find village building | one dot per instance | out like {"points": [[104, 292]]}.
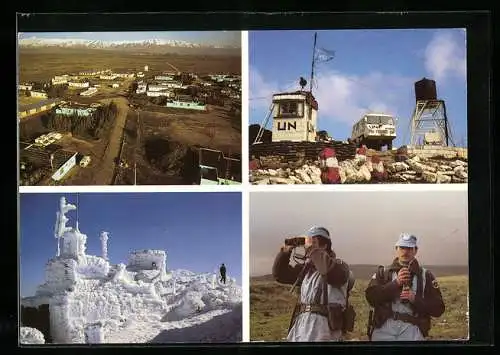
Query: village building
{"points": [[25, 86], [91, 72], [186, 102], [164, 77], [125, 75], [152, 87], [59, 80], [72, 109], [89, 92], [159, 93], [108, 77], [173, 85], [79, 84], [40, 94], [41, 106]]}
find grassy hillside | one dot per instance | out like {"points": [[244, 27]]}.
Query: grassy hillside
{"points": [[271, 307]]}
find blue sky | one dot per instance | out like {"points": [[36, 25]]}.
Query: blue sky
{"points": [[372, 70], [198, 231], [232, 38]]}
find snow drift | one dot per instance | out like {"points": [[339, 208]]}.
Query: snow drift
{"points": [[31, 336]]}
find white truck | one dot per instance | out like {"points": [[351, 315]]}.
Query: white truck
{"points": [[375, 130]]}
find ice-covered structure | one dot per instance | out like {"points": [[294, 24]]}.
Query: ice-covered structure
{"points": [[104, 245], [84, 291], [91, 300]]}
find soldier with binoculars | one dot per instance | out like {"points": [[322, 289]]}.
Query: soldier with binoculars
{"points": [[322, 312], [403, 297]]}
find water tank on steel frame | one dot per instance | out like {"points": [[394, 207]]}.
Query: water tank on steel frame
{"points": [[425, 89]]}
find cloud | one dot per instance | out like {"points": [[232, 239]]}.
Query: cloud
{"points": [[342, 98], [445, 56], [345, 98], [261, 90]]}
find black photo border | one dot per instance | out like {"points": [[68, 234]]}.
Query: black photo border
{"points": [[480, 143]]}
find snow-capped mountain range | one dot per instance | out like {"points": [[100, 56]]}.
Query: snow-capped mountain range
{"points": [[98, 44]]}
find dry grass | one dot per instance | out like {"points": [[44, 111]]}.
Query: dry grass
{"points": [[43, 63], [271, 307], [23, 100]]}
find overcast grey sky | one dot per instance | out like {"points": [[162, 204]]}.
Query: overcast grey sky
{"points": [[364, 225]]}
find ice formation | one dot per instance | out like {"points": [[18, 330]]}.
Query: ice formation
{"points": [[93, 301], [104, 245], [31, 336]]}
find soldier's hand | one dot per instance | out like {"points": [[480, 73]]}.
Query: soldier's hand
{"points": [[404, 276], [407, 295]]}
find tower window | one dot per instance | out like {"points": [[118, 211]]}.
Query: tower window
{"points": [[291, 109]]}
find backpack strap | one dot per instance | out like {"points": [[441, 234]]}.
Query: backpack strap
{"points": [[424, 280], [325, 291]]}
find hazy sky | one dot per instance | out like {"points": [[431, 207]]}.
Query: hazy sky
{"points": [[364, 225], [229, 38]]}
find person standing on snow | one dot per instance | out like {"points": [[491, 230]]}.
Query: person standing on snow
{"points": [[222, 271], [322, 312]]}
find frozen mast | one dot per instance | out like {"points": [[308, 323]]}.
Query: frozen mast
{"points": [[60, 227], [104, 245]]}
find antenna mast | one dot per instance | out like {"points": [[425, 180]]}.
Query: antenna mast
{"points": [[77, 208], [313, 61]]}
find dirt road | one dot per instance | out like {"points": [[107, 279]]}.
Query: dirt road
{"points": [[173, 67], [106, 168]]}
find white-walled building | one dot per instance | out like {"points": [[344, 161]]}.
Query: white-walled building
{"points": [[152, 87], [89, 92], [79, 84], [59, 80], [40, 94], [172, 85], [108, 77], [25, 86], [164, 77], [159, 93], [91, 72], [125, 75]]}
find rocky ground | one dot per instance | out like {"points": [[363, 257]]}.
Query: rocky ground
{"points": [[413, 168]]}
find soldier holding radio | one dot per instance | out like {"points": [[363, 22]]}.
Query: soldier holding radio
{"points": [[404, 297], [322, 312]]}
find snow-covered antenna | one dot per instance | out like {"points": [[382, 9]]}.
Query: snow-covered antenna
{"points": [[104, 245], [77, 209]]}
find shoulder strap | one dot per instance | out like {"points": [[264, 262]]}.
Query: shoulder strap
{"points": [[325, 291], [424, 279], [387, 275]]}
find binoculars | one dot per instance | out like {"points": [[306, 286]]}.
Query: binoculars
{"points": [[407, 287], [295, 241]]}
